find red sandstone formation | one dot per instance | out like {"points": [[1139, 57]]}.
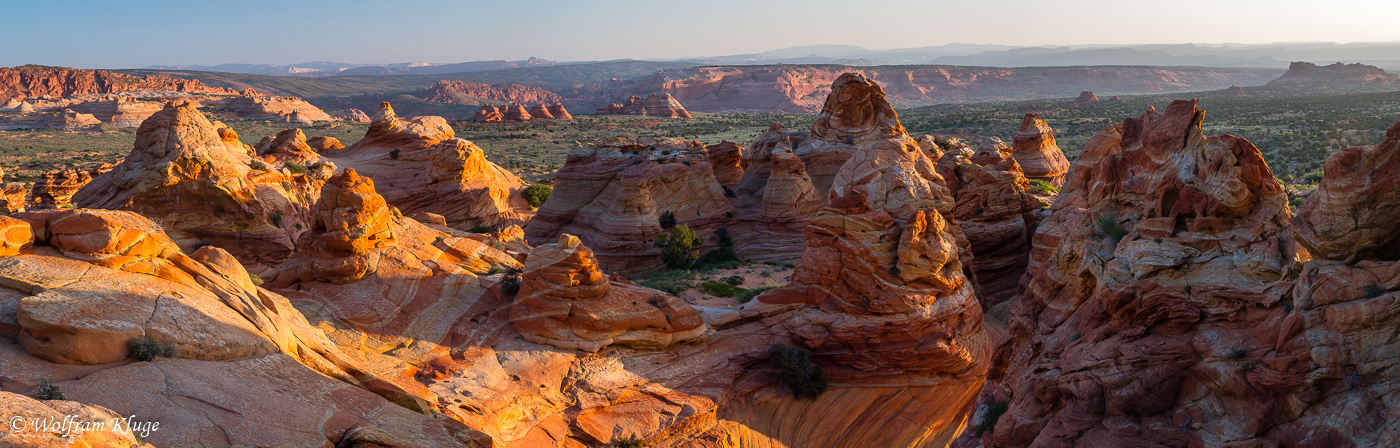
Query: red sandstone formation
{"points": [[540, 111], [419, 167], [1085, 97], [197, 180], [12, 195], [588, 311], [57, 187], [286, 109], [559, 112], [39, 81], [612, 196], [488, 114], [727, 160], [515, 112], [323, 143], [454, 91], [354, 116], [289, 146], [654, 105], [1156, 305], [803, 88], [121, 111], [240, 351], [1035, 150], [994, 209]]}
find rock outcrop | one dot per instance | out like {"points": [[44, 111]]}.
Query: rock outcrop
{"points": [[541, 111], [57, 187], [1036, 152], [654, 105], [1156, 305], [420, 167], [489, 114], [452, 91], [1335, 77], [559, 112], [612, 196], [12, 195], [567, 302], [197, 180], [121, 111], [354, 116], [1085, 97], [727, 160], [31, 81], [1235, 91], [1352, 216], [515, 112], [995, 211], [289, 146], [286, 109], [234, 343]]}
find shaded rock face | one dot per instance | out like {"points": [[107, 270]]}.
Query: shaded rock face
{"points": [[612, 197], [228, 335], [1354, 214], [727, 160], [195, 178], [488, 114], [57, 187], [1036, 152], [1338, 76], [12, 195], [996, 213], [567, 302], [1183, 329], [419, 167]]}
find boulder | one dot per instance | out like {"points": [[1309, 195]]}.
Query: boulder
{"points": [[1035, 151], [567, 302]]}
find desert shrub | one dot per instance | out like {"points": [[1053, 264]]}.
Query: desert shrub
{"points": [[1042, 187], [258, 165], [991, 415], [680, 248], [277, 218], [718, 289], [1315, 176], [47, 390], [146, 348], [734, 280], [729, 192], [667, 220], [510, 283], [671, 282], [394, 154], [754, 292], [296, 168], [536, 194], [257, 279], [482, 229], [1109, 225], [629, 442], [797, 371], [765, 273], [1372, 291], [316, 166]]}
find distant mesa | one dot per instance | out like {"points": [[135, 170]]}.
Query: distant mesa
{"points": [[1338, 76], [654, 105], [452, 91], [30, 81]]}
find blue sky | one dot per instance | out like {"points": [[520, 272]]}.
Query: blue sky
{"points": [[135, 33]]}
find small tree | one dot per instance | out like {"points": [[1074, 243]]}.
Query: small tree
{"points": [[47, 390], [147, 348], [680, 248], [797, 371], [536, 194], [667, 220]]}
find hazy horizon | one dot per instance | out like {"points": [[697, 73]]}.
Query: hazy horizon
{"points": [[166, 32]]}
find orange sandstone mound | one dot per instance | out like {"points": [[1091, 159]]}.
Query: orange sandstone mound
{"points": [[241, 353], [654, 105], [1036, 152], [540, 111], [559, 112], [194, 178], [419, 167], [488, 114], [994, 209], [57, 187], [516, 112]]}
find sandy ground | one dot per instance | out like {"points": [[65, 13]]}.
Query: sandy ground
{"points": [[753, 278]]}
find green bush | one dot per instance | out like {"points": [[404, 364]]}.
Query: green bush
{"points": [[1109, 225], [734, 280], [536, 194], [797, 371], [296, 168], [510, 283], [258, 165], [47, 390], [483, 229], [394, 154], [1042, 187], [147, 348], [718, 289], [277, 218], [680, 248], [671, 282], [667, 220], [257, 279], [629, 442]]}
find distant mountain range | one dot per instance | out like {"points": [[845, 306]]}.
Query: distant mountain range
{"points": [[325, 68]]}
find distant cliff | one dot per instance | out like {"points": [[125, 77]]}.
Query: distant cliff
{"points": [[29, 81], [803, 88], [453, 91], [1307, 75]]}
